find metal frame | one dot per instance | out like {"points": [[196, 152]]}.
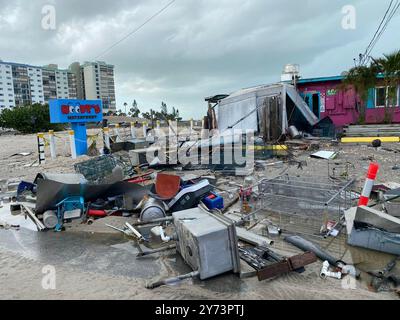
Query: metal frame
{"points": [[302, 205]]}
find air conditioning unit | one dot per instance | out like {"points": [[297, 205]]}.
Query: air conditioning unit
{"points": [[207, 242]]}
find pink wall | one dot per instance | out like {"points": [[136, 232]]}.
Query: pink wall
{"points": [[340, 106]]}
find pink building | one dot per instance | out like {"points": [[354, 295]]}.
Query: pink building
{"points": [[326, 99]]}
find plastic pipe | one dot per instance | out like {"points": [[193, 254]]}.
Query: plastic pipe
{"points": [[164, 238], [325, 273]]}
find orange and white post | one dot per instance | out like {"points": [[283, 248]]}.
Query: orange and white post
{"points": [[369, 184]]}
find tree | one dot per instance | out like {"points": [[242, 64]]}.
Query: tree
{"points": [[152, 116], [29, 119], [134, 111], [389, 67], [363, 78], [164, 109]]}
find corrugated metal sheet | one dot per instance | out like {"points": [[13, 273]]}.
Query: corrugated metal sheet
{"points": [[243, 102]]}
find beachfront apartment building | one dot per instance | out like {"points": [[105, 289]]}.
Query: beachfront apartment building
{"points": [[22, 84], [98, 78]]}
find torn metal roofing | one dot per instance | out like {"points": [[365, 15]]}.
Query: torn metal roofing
{"points": [[244, 101]]}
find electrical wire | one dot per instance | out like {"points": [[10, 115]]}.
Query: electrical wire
{"points": [[391, 15], [376, 32], [135, 30], [391, 11]]}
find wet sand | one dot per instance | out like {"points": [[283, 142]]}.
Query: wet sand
{"points": [[91, 265]]}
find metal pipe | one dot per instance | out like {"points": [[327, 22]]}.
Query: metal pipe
{"points": [[340, 191], [172, 280], [135, 232], [306, 245], [149, 252]]}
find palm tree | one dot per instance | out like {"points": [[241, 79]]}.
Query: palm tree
{"points": [[362, 78], [125, 105], [389, 67]]}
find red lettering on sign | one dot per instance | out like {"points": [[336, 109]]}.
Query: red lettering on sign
{"points": [[65, 109], [85, 108]]}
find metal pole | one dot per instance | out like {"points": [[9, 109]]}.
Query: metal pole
{"points": [[106, 131], [172, 280], [72, 143], [42, 157], [133, 130]]}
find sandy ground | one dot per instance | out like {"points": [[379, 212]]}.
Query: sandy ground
{"points": [[21, 278], [21, 275]]}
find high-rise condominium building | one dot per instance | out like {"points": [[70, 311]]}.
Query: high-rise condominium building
{"points": [[22, 84], [98, 78]]}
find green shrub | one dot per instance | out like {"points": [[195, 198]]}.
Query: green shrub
{"points": [[29, 119]]}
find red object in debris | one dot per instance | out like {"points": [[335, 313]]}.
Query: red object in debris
{"points": [[369, 184], [167, 186], [138, 180], [97, 213]]}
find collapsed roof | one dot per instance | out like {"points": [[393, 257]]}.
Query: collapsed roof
{"points": [[263, 108]]}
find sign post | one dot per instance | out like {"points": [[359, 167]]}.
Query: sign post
{"points": [[78, 113]]}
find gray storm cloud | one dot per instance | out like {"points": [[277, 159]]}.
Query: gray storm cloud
{"points": [[194, 48]]}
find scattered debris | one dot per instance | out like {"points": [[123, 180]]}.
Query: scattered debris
{"points": [[327, 155]]}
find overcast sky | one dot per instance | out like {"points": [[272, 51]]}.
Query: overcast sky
{"points": [[195, 48]]}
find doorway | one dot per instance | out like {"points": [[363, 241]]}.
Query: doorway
{"points": [[313, 101]]}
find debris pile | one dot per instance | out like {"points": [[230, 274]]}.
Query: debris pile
{"points": [[222, 217]]}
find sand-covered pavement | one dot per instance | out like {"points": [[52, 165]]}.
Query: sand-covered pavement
{"points": [[88, 268]]}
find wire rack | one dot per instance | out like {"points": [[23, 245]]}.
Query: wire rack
{"points": [[305, 205]]}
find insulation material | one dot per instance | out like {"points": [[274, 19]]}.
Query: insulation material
{"points": [[228, 114]]}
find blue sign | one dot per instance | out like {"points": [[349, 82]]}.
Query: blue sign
{"points": [[78, 113], [74, 111]]}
